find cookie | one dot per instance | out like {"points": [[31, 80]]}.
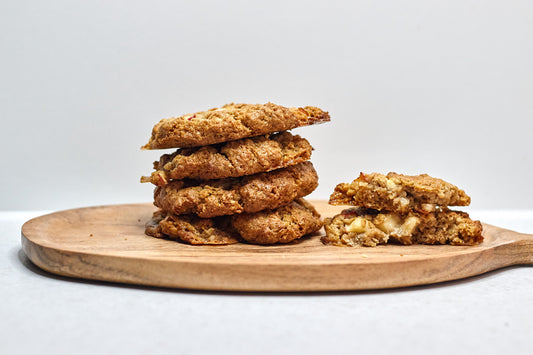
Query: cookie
{"points": [[251, 193], [398, 193], [281, 225], [192, 229], [152, 227], [348, 229], [232, 159], [230, 122], [367, 227]]}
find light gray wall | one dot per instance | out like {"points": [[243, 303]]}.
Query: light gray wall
{"points": [[443, 87]]}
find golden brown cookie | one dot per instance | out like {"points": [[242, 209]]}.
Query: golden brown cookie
{"points": [[367, 227], [281, 225], [232, 159], [230, 122], [250, 193], [349, 229], [152, 227], [398, 193], [191, 229]]}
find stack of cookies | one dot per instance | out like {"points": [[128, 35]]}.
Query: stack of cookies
{"points": [[237, 175], [402, 209]]}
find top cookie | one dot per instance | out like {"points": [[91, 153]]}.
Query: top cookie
{"points": [[398, 193], [230, 122]]}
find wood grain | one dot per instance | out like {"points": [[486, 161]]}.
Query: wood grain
{"points": [[108, 243]]}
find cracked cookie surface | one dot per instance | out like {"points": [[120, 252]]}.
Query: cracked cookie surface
{"points": [[249, 194], [230, 122], [282, 225], [398, 193], [232, 159]]}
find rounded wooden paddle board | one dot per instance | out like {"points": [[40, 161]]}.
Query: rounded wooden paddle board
{"points": [[108, 243]]}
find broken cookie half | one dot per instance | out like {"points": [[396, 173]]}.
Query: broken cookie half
{"points": [[400, 209]]}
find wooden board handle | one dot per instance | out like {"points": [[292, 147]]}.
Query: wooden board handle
{"points": [[518, 248]]}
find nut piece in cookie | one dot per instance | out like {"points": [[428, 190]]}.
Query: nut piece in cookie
{"points": [[398, 193], [245, 156], [366, 227], [250, 194], [230, 122]]}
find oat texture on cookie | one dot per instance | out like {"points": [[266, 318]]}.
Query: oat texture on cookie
{"points": [[403, 209], [237, 175]]}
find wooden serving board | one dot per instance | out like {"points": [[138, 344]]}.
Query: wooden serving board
{"points": [[108, 243]]}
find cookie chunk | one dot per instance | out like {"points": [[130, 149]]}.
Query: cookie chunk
{"points": [[367, 227], [230, 122], [246, 156], [191, 229], [398, 193], [349, 229], [249, 194], [281, 225], [152, 227]]}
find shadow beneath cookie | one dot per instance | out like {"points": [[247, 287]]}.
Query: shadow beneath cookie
{"points": [[29, 265]]}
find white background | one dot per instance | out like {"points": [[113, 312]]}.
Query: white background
{"points": [[442, 87]]}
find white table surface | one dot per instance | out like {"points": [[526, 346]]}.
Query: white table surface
{"points": [[42, 313]]}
